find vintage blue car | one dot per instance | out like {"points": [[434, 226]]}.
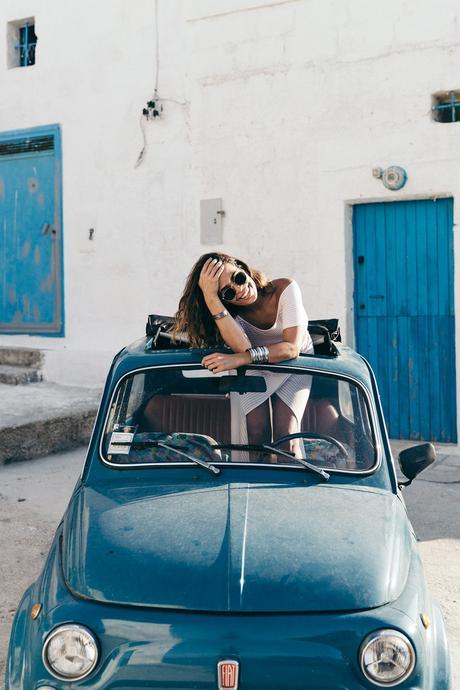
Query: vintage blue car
{"points": [[189, 558]]}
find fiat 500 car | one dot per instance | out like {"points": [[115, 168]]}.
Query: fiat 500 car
{"points": [[188, 558]]}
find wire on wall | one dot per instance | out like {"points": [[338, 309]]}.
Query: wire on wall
{"points": [[144, 142], [154, 107], [157, 49]]}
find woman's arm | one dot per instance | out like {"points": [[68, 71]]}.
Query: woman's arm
{"points": [[294, 321], [232, 334], [288, 348]]}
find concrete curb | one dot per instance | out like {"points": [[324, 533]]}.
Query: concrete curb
{"points": [[16, 376], [45, 436], [44, 418], [21, 357]]}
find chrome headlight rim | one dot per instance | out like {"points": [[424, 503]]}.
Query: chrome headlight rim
{"points": [[63, 628], [379, 634]]}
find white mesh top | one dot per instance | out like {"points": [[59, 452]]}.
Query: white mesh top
{"points": [[291, 312]]}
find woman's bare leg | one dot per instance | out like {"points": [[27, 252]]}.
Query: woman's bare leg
{"points": [[259, 427], [284, 423]]}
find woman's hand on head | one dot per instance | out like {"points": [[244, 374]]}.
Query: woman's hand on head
{"points": [[218, 362], [230, 331], [209, 277]]}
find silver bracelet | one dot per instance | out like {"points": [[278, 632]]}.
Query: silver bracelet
{"points": [[258, 355], [220, 315]]}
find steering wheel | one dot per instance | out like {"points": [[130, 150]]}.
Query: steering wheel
{"points": [[309, 434]]}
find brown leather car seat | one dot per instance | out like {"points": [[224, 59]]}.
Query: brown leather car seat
{"points": [[196, 414], [201, 414]]}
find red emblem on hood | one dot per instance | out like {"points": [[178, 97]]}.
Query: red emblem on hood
{"points": [[227, 673]]}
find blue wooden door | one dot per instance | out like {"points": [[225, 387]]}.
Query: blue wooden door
{"points": [[404, 312], [30, 235]]}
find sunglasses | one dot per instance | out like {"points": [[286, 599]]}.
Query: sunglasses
{"points": [[228, 293]]}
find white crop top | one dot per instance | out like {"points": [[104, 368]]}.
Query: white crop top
{"points": [[291, 312]]}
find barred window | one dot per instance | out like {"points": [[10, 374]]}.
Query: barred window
{"points": [[21, 43], [446, 106]]}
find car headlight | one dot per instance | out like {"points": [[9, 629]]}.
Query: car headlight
{"points": [[387, 657], [70, 652]]}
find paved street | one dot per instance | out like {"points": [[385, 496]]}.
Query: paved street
{"points": [[34, 494]]}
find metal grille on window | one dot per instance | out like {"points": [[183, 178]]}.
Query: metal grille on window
{"points": [[27, 44], [9, 148], [32, 145], [446, 106]]}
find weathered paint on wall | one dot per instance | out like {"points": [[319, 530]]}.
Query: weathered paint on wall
{"points": [[280, 108]]}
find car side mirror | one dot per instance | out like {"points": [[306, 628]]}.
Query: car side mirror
{"points": [[414, 460]]}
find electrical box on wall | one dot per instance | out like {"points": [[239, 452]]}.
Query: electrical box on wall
{"points": [[211, 215]]}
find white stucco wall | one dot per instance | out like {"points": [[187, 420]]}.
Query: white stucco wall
{"points": [[93, 74], [280, 108]]}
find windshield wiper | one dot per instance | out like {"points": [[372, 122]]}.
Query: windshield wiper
{"points": [[325, 475], [162, 444], [202, 463], [265, 447]]}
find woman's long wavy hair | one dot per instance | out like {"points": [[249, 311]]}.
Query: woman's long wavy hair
{"points": [[193, 317]]}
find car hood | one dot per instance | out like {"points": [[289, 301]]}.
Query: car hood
{"points": [[237, 547]]}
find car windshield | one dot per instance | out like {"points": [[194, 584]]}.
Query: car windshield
{"points": [[178, 415]]}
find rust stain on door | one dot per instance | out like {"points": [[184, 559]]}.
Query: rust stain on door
{"points": [[26, 247], [12, 295], [26, 306], [32, 184]]}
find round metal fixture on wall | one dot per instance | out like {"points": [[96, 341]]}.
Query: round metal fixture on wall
{"points": [[393, 177]]}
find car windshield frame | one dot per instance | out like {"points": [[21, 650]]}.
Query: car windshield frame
{"points": [[279, 368]]}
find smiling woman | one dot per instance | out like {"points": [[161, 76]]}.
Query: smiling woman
{"points": [[217, 284], [225, 302]]}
